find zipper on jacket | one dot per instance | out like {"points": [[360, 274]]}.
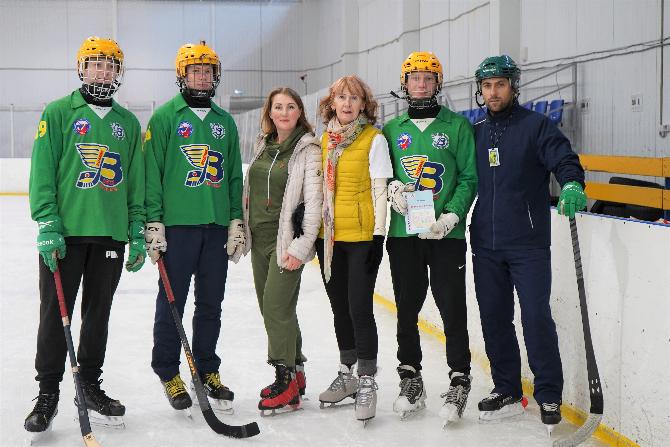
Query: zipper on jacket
{"points": [[267, 201], [530, 218], [493, 212]]}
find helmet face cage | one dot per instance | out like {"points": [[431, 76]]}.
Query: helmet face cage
{"points": [[102, 75], [197, 93], [421, 103]]}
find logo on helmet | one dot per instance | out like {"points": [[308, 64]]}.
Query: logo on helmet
{"points": [[185, 129], [81, 126]]}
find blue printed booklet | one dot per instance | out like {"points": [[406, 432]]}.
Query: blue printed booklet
{"points": [[420, 211]]}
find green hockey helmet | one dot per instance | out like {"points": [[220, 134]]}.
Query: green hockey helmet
{"points": [[498, 67]]}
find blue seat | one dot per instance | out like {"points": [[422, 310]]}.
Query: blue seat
{"points": [[556, 111], [480, 114], [541, 107], [527, 105]]}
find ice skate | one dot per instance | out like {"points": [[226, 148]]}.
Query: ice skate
{"points": [[220, 396], [299, 375], [497, 406], [455, 398], [103, 411], [550, 414], [39, 422], [344, 385], [176, 393], [412, 397], [284, 393], [365, 407]]}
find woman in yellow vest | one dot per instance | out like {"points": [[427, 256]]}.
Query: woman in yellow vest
{"points": [[356, 164]]}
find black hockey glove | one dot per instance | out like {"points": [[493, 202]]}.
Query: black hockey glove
{"points": [[375, 254], [296, 219]]}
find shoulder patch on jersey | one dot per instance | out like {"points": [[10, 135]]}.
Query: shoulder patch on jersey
{"points": [[118, 131], [81, 126], [218, 131], [440, 140], [403, 141], [41, 129], [185, 129]]}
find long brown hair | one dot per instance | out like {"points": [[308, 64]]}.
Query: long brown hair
{"points": [[267, 125], [356, 86]]}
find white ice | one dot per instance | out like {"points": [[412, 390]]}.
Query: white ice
{"points": [[242, 346]]}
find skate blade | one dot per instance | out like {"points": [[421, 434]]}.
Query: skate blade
{"points": [[271, 412], [325, 404], [100, 420], [36, 438], [408, 414], [550, 428], [449, 415], [366, 421], [219, 405], [506, 412]]}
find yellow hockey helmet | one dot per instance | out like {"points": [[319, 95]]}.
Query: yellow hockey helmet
{"points": [[103, 81], [421, 61], [191, 54]]}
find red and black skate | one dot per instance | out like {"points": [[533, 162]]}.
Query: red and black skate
{"points": [[283, 393], [300, 377]]}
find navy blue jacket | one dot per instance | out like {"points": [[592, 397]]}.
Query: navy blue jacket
{"points": [[513, 204]]}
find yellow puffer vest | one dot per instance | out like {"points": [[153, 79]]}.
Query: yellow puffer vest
{"points": [[354, 213]]}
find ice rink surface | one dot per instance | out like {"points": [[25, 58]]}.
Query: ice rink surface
{"points": [[150, 421]]}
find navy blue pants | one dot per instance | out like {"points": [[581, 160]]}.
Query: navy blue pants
{"points": [[497, 273], [199, 251]]}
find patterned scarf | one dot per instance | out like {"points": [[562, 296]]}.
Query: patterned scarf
{"points": [[339, 138]]}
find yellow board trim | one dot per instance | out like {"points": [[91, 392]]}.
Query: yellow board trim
{"points": [[570, 413], [654, 167], [634, 195], [13, 193]]}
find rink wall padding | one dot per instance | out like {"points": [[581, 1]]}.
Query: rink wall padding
{"points": [[627, 279], [14, 174]]}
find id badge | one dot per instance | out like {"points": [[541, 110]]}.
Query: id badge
{"points": [[494, 157]]}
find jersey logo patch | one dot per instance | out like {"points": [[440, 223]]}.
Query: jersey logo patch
{"points": [[117, 131], [208, 165], [404, 140], [41, 129], [106, 166], [425, 173], [81, 126], [218, 131], [440, 140], [185, 129]]}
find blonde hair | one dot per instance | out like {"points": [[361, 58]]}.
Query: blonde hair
{"points": [[267, 125], [356, 86]]}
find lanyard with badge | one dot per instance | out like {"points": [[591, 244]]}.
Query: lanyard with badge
{"points": [[494, 153]]}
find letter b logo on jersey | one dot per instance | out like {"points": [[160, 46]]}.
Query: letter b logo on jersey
{"points": [[426, 174], [208, 164], [106, 166]]}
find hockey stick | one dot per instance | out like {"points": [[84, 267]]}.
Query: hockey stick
{"points": [[233, 431], [84, 423], [595, 389]]}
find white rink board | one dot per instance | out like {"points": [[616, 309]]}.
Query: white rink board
{"points": [[627, 278]]}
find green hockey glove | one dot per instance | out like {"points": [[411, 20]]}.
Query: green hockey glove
{"points": [[572, 199], [136, 250], [50, 241]]}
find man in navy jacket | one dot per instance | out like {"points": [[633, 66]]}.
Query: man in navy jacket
{"points": [[510, 235]]}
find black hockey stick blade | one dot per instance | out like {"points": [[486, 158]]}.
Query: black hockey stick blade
{"points": [[232, 431], [595, 389], [84, 422]]}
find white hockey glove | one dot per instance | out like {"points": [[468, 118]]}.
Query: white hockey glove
{"points": [[444, 224], [236, 240], [154, 236], [398, 201]]}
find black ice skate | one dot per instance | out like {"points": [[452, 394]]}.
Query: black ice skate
{"points": [[455, 398], [412, 397], [284, 392], [220, 397], [550, 414], [39, 421], [102, 409], [176, 393], [497, 406]]}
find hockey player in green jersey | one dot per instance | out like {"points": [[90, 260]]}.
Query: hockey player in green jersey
{"points": [[87, 197], [194, 203], [432, 148]]}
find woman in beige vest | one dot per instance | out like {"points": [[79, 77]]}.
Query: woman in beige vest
{"points": [[356, 164]]}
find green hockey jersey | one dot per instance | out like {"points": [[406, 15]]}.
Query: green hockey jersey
{"points": [[87, 170], [193, 166], [441, 158]]}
